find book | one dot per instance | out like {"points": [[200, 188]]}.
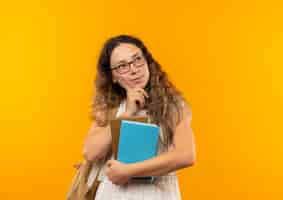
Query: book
{"points": [[135, 141], [115, 125]]}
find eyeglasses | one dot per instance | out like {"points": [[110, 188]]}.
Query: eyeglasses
{"points": [[124, 68]]}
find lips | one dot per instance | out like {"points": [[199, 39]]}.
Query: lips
{"points": [[137, 79]]}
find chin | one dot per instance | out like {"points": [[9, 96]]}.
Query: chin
{"points": [[139, 85]]}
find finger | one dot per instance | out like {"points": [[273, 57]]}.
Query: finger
{"points": [[143, 92], [140, 99], [109, 163], [139, 96]]}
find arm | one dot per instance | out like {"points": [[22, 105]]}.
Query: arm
{"points": [[97, 142], [181, 155]]}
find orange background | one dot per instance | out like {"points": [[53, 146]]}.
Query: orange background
{"points": [[225, 56]]}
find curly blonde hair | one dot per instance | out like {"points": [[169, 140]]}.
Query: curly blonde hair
{"points": [[164, 105]]}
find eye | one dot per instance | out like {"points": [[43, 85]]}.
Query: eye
{"points": [[138, 58], [122, 65]]}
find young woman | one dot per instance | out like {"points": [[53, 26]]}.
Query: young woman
{"points": [[130, 79]]}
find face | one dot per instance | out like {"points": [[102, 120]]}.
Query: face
{"points": [[128, 63]]}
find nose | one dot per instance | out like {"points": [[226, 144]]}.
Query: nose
{"points": [[133, 69]]}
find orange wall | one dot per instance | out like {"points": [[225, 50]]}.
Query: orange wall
{"points": [[225, 56]]}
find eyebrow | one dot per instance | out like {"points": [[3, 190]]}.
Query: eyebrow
{"points": [[134, 55]]}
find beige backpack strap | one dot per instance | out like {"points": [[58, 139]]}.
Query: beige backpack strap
{"points": [[113, 112], [98, 164]]}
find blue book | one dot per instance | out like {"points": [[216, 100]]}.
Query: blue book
{"points": [[138, 141]]}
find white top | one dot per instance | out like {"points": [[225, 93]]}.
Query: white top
{"points": [[167, 187], [121, 110]]}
